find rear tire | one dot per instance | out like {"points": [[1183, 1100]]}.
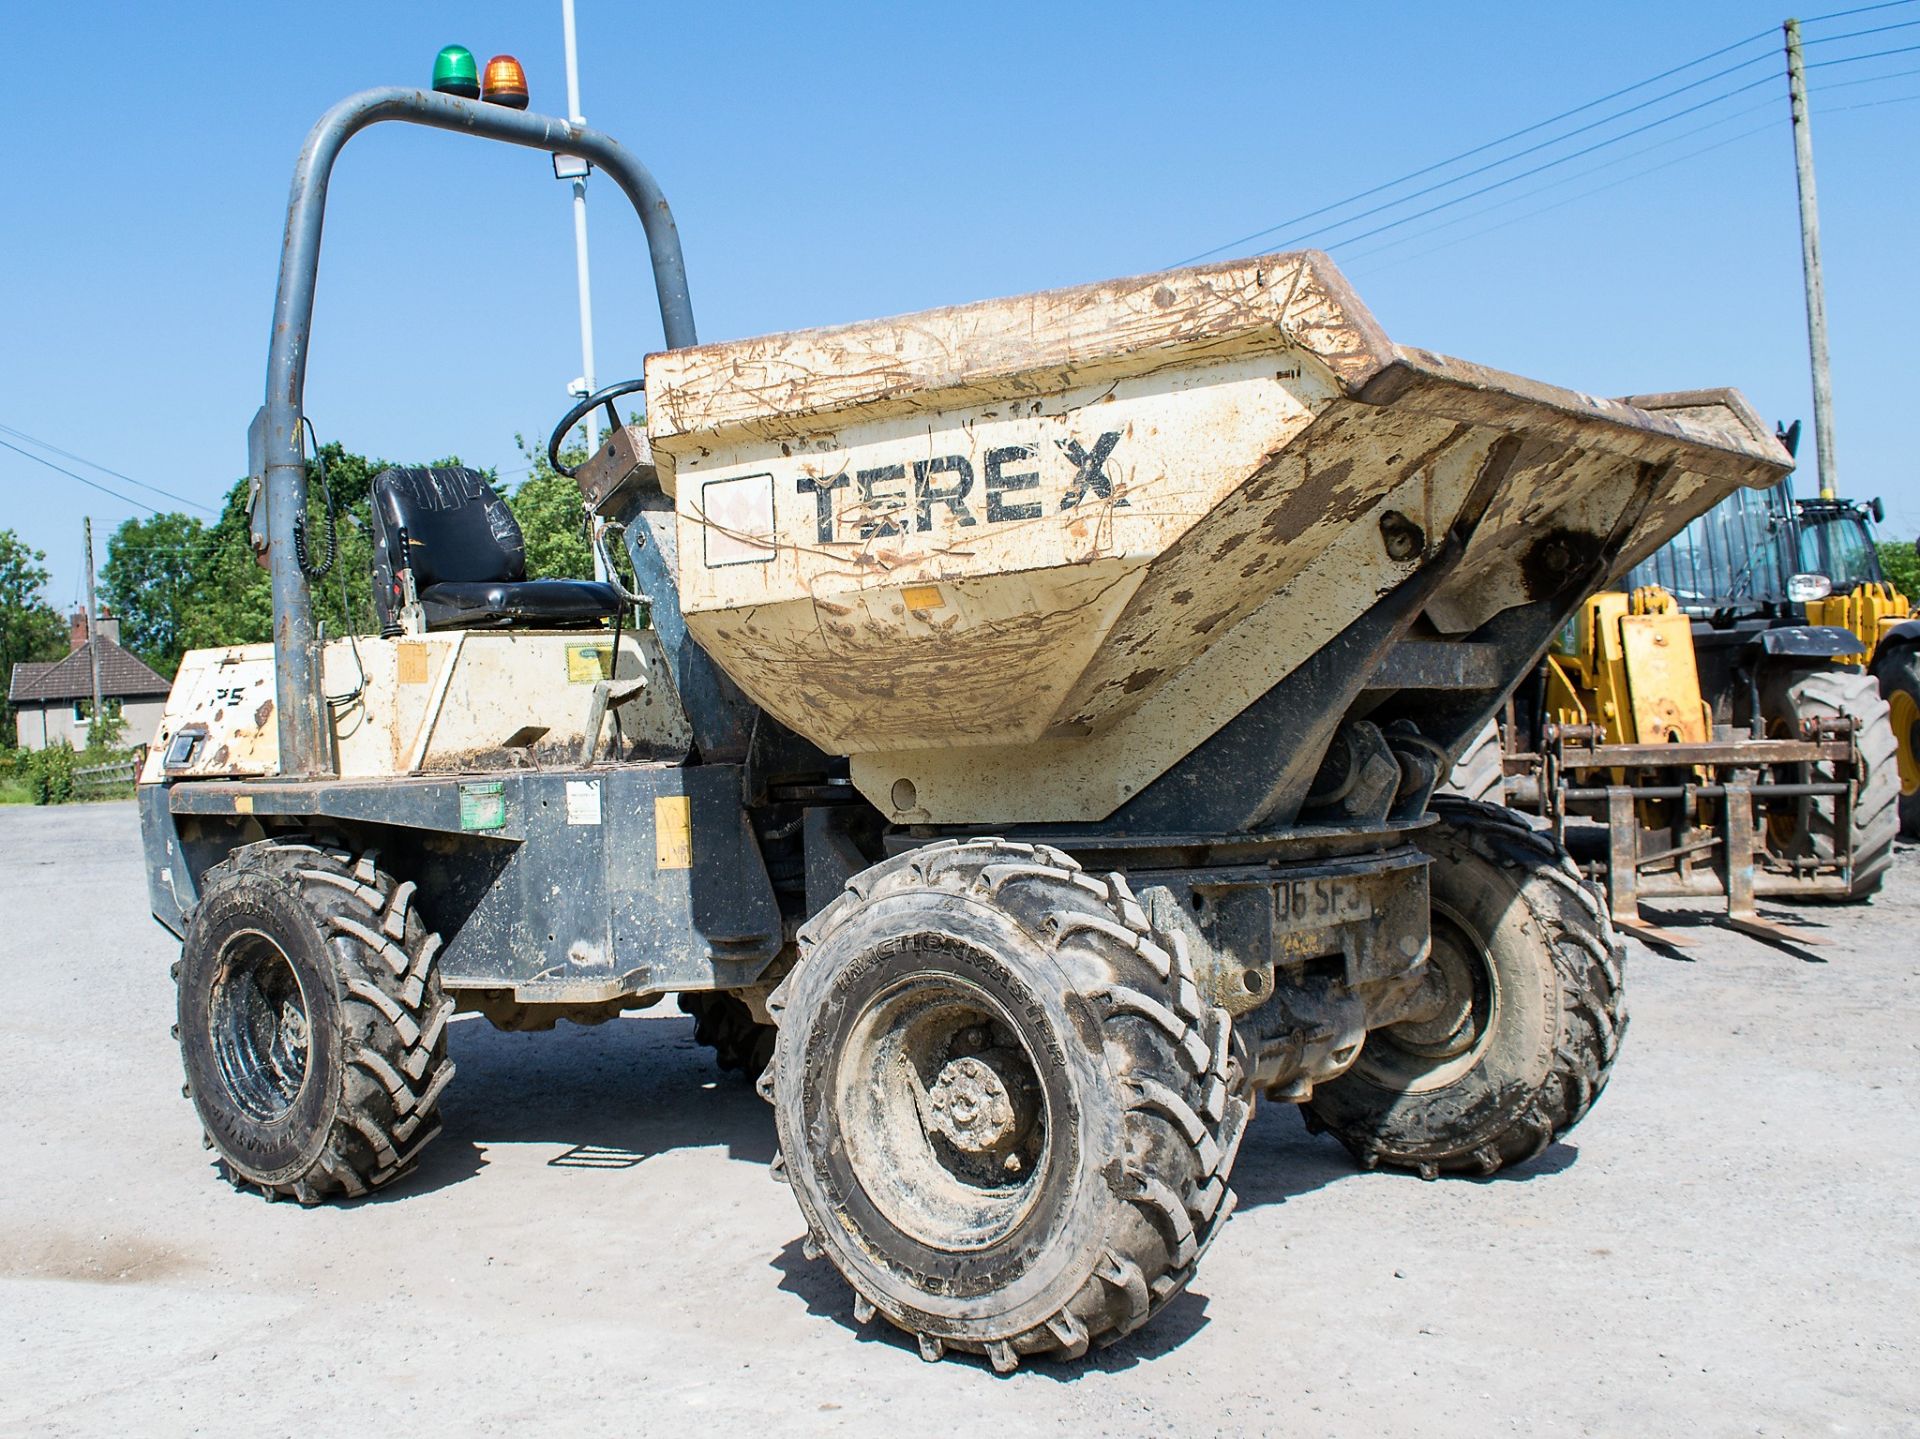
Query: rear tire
{"points": [[1477, 774], [724, 1024], [312, 1025], [1529, 971], [1808, 828], [1004, 1107], [1898, 671]]}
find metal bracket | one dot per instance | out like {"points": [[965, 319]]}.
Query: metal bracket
{"points": [[1737, 809], [607, 695]]}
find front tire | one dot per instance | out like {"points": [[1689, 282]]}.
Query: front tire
{"points": [[1003, 1105], [312, 1025], [1804, 829], [1526, 972], [1898, 671]]}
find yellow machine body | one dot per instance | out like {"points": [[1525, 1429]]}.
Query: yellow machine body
{"points": [[1869, 610], [1627, 666]]}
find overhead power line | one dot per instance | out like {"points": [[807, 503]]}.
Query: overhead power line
{"points": [[1857, 10], [1536, 170], [1856, 59], [1864, 80], [1548, 143], [96, 465], [90, 484], [1481, 149], [1568, 200], [1575, 178], [1872, 104], [1856, 34]]}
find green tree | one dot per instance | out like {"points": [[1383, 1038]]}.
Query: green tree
{"points": [[552, 519], [30, 628], [1897, 558], [150, 581], [227, 598], [180, 584]]}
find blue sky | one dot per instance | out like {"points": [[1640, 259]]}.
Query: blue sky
{"points": [[834, 162]]}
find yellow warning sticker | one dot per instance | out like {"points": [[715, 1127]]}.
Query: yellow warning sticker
{"points": [[672, 832], [922, 597], [412, 659], [587, 664]]}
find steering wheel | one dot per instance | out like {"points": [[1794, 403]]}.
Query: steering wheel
{"points": [[604, 396]]}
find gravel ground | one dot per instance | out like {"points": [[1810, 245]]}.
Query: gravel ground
{"points": [[1728, 1245]]}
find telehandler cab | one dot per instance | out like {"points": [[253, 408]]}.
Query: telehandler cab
{"points": [[1028, 760]]}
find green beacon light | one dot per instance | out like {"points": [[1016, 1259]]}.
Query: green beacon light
{"points": [[455, 73]]}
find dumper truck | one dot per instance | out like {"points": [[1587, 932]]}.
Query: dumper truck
{"points": [[1033, 733]]}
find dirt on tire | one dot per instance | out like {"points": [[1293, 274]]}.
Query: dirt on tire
{"points": [[1549, 1024], [1140, 1096], [326, 1079], [1477, 774]]}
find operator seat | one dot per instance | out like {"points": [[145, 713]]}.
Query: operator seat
{"points": [[455, 535]]}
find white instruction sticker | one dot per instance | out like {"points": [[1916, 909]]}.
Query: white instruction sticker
{"points": [[583, 801]]}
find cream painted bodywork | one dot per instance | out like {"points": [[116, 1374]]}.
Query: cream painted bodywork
{"points": [[1193, 468], [444, 703]]}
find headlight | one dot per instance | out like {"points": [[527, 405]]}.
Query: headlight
{"points": [[1801, 588]]}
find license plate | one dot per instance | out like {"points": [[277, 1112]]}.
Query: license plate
{"points": [[1317, 903]]}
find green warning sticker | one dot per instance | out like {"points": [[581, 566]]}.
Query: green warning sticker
{"points": [[483, 804]]}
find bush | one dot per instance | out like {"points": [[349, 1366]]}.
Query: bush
{"points": [[1903, 568], [50, 773], [104, 736]]}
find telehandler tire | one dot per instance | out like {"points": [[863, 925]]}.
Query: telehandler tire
{"points": [[1477, 774], [312, 1025], [1529, 971], [1805, 830], [1897, 668], [1005, 1108], [722, 1022]]}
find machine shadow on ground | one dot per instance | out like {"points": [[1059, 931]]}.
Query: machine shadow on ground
{"points": [[553, 1088], [611, 1095], [1810, 920], [827, 1296]]}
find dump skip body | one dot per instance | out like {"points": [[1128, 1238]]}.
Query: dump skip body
{"points": [[1020, 558]]}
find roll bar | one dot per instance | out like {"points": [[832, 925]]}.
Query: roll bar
{"points": [[273, 441]]}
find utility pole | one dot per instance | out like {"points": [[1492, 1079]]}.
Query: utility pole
{"points": [[578, 174], [1810, 264], [93, 634]]}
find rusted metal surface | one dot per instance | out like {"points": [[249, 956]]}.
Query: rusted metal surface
{"points": [[440, 703], [1723, 752], [1018, 558], [1714, 795]]}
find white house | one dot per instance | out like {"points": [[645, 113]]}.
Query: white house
{"points": [[51, 701]]}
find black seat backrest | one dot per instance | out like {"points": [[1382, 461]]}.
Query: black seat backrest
{"points": [[457, 529]]}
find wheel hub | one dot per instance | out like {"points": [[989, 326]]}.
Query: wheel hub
{"points": [[1448, 1026], [945, 1120], [971, 1106], [1904, 714], [259, 1026]]}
